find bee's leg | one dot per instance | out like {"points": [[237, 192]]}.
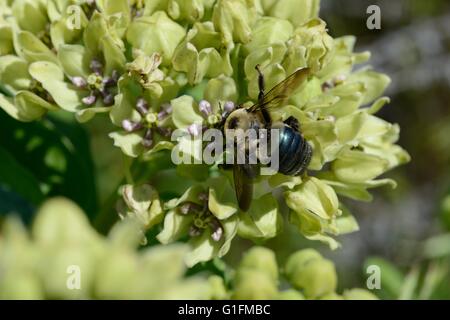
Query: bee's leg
{"points": [[261, 83], [293, 123]]}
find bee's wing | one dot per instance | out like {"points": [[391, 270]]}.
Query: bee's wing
{"points": [[282, 91], [243, 185]]}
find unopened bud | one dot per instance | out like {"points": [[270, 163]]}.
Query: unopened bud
{"points": [[205, 107]]}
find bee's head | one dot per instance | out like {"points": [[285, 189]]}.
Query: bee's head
{"points": [[238, 119]]}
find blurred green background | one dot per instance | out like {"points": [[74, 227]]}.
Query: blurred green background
{"points": [[404, 231]]}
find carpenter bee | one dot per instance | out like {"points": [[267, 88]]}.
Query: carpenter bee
{"points": [[294, 151]]}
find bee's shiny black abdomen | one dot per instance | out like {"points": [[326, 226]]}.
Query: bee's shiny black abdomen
{"points": [[294, 151]]}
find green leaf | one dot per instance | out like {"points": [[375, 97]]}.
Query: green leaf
{"points": [[57, 152], [437, 246], [18, 178]]}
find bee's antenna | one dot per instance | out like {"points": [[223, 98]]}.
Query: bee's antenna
{"points": [[220, 107]]}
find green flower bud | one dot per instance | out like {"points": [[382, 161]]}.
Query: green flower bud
{"points": [[254, 285], [359, 294], [59, 221], [67, 259], [290, 294], [218, 290], [21, 286], [306, 270], [331, 296], [261, 259]]}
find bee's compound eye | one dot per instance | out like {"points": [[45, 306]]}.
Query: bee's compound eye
{"points": [[237, 120], [233, 123]]}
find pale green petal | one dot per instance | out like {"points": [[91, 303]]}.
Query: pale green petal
{"points": [[32, 49], [221, 201], [52, 79], [233, 18], [74, 60], [175, 226], [14, 74], [262, 221], [280, 180], [185, 112], [204, 248], [197, 64], [221, 89], [30, 15], [357, 191], [157, 33], [269, 31], [26, 106], [143, 203], [61, 34], [296, 11], [6, 37], [230, 227], [129, 143], [87, 114], [357, 167], [314, 196], [374, 84]]}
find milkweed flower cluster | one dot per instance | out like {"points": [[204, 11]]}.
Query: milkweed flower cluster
{"points": [[307, 273], [157, 66], [64, 258]]}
